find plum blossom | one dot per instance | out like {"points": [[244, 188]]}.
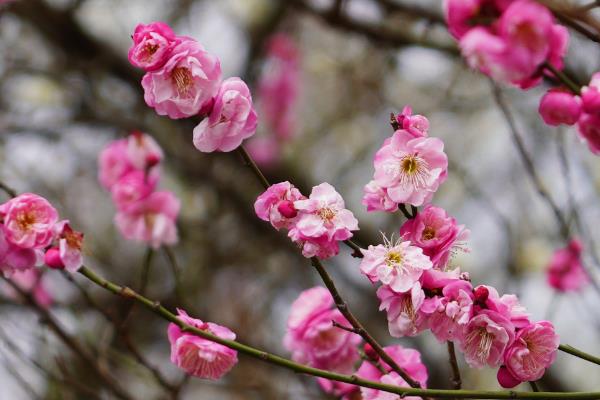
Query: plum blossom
{"points": [[133, 187], [398, 265], [197, 356], [31, 281], [377, 199], [588, 128], [456, 310], [186, 84], [14, 258], [437, 233], [533, 350], [114, 163], [276, 205], [417, 125], [68, 254], [565, 271], [142, 150], [411, 169], [152, 44], [403, 310], [485, 338], [231, 120], [28, 221], [559, 106]]}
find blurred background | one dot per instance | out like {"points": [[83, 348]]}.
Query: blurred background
{"points": [[66, 90]]}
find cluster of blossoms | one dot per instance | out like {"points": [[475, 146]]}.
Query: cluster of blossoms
{"points": [[278, 88], [183, 80], [31, 234], [316, 224], [409, 167], [511, 41], [129, 168], [560, 106], [565, 272], [314, 340]]}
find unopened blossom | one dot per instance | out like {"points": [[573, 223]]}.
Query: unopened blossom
{"points": [[565, 271], [14, 258], [411, 169], [437, 233], [396, 264], [407, 359], [68, 254], [231, 120], [588, 128], [201, 357], [114, 163], [143, 151], [485, 338], [532, 352], [403, 310], [133, 187], [590, 95], [186, 84], [560, 107], [30, 281], [28, 221], [417, 125], [151, 220], [449, 320], [376, 198], [276, 204], [152, 44]]}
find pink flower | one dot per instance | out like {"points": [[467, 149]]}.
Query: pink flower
{"points": [[411, 169], [114, 163], [133, 187], [198, 356], [321, 247], [448, 322], [590, 95], [408, 359], [434, 231], [588, 128], [403, 310], [152, 45], [14, 258], [533, 350], [68, 254], [485, 339], [565, 271], [231, 120], [186, 84], [484, 51], [417, 125], [560, 107], [151, 220], [398, 265], [377, 199], [461, 15], [28, 221], [276, 205], [31, 281], [142, 151]]}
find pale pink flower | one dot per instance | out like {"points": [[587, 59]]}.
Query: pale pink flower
{"points": [[532, 352], [437, 233], [198, 356], [377, 199], [28, 221], [403, 310], [14, 258], [484, 51], [31, 281], [68, 254], [276, 205], [231, 120], [559, 106], [324, 212], [143, 151], [133, 187], [186, 84], [321, 247], [588, 128], [485, 339], [449, 320], [565, 271], [151, 220], [398, 265], [417, 125], [411, 169], [152, 44], [114, 163]]}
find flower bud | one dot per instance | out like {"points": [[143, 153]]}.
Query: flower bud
{"points": [[287, 209], [52, 258]]}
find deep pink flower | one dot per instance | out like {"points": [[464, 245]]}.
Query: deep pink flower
{"points": [[14, 258], [133, 187], [484, 51], [186, 84], [198, 356], [463, 15], [532, 352], [437, 233], [487, 298], [588, 128], [449, 320], [559, 106], [152, 44], [276, 205], [68, 254], [417, 125], [398, 265], [114, 163], [403, 310], [565, 271], [485, 339], [142, 151], [31, 281], [28, 221], [411, 169], [151, 220], [590, 95], [231, 120], [377, 199]]}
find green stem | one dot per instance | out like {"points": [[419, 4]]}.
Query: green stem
{"points": [[578, 353], [303, 369]]}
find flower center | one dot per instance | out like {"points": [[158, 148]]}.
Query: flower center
{"points": [[26, 219], [393, 259], [182, 78], [413, 171], [149, 219], [326, 213], [482, 340], [428, 233], [149, 50], [406, 307], [74, 239]]}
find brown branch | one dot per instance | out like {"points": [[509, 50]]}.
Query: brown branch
{"points": [[456, 381]]}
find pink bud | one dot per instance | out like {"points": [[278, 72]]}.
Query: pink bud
{"points": [[505, 379], [370, 352], [52, 258], [590, 97], [152, 159], [287, 209], [481, 294], [560, 107]]}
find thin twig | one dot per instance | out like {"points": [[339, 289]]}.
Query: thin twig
{"points": [[456, 381]]}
